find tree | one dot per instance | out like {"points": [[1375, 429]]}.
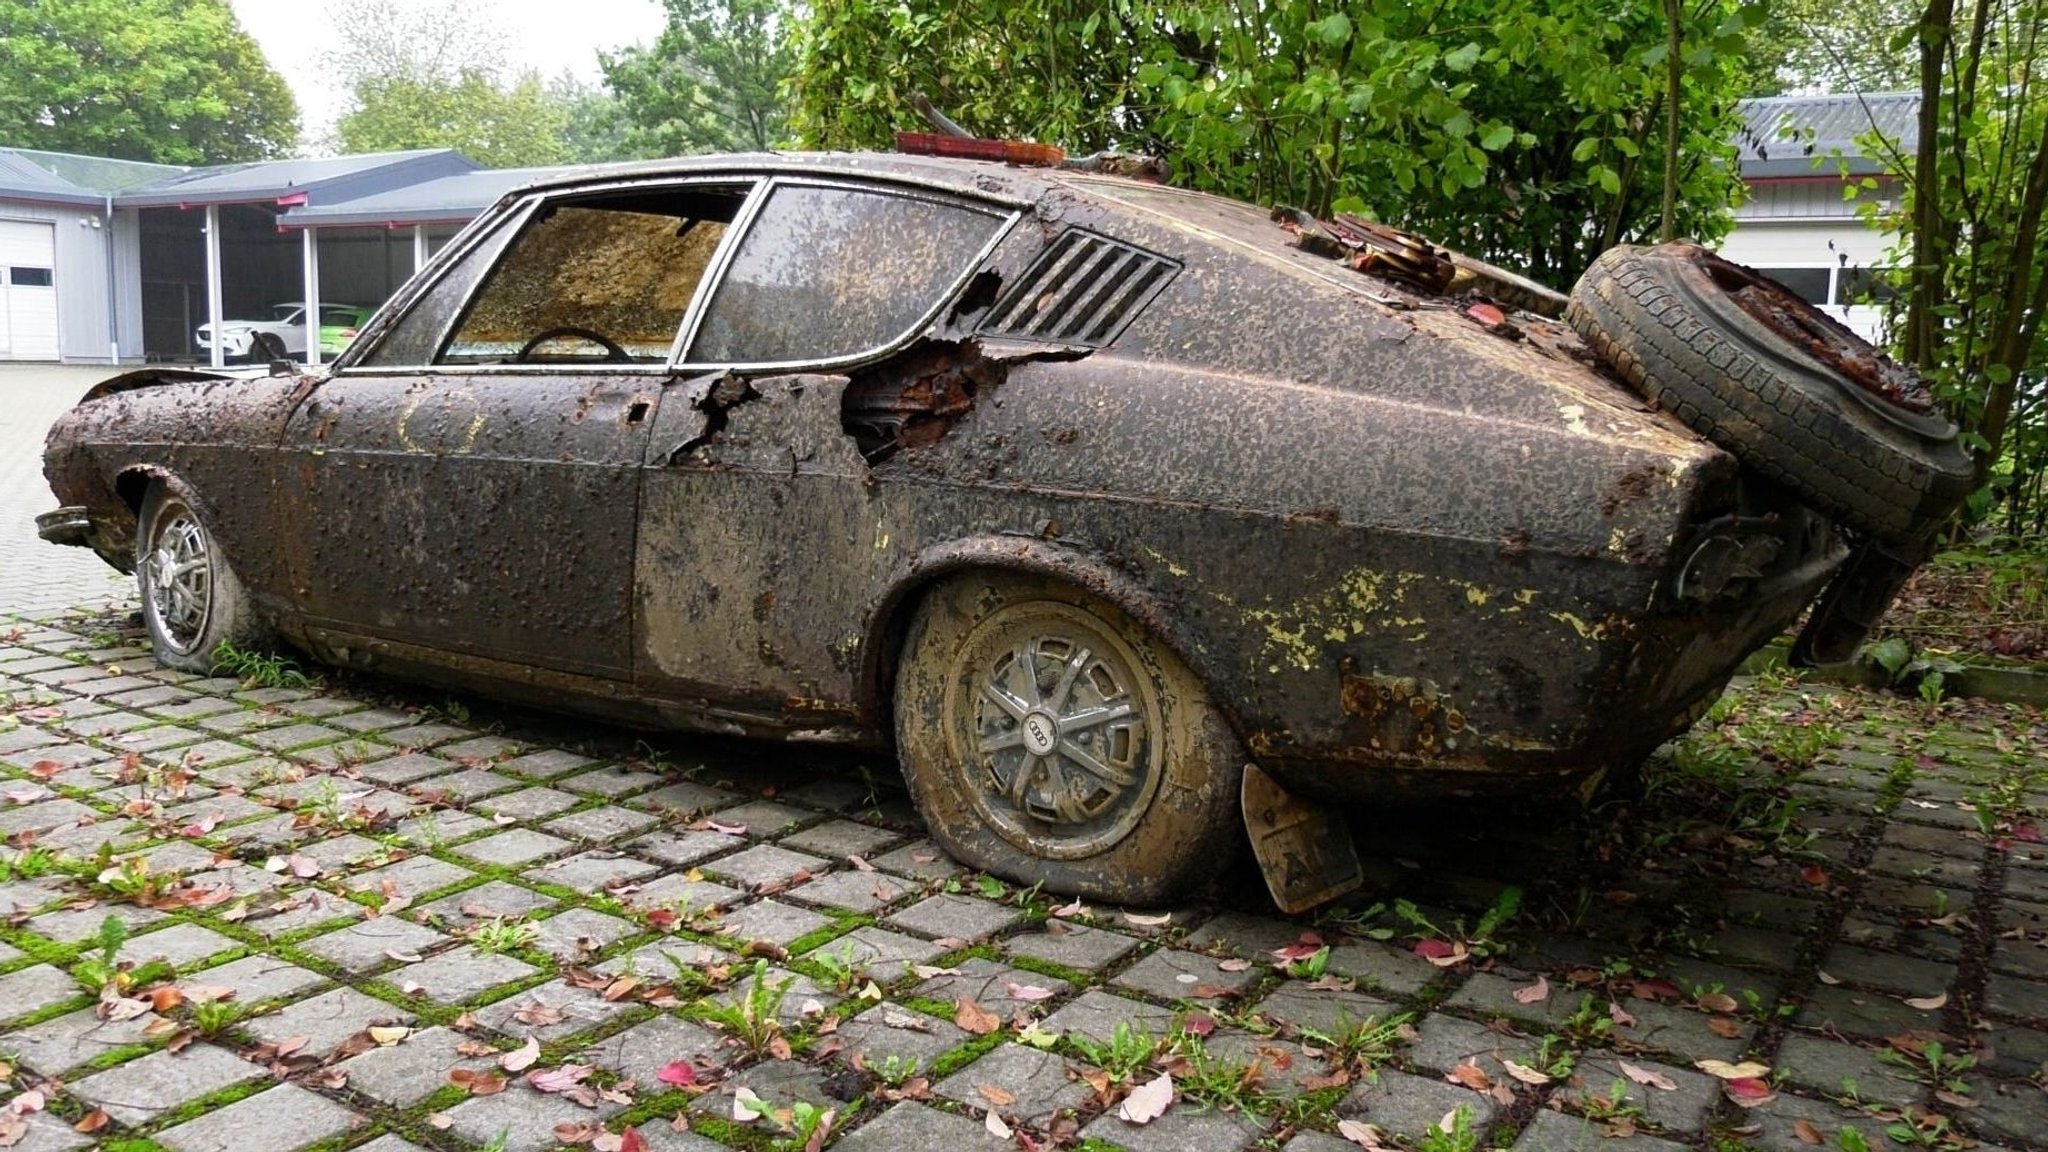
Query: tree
{"points": [[595, 127], [1525, 131], [171, 81], [1829, 46], [710, 82], [430, 77]]}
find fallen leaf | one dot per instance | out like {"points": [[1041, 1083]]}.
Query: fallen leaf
{"points": [[440, 1120], [1814, 875], [1619, 1015], [1027, 992], [1307, 945], [630, 1140], [1648, 1076], [304, 867], [746, 1105], [1233, 965], [998, 1096], [1928, 1003], [1441, 954], [166, 998], [1142, 921], [1747, 1070], [1360, 1133], [1074, 909], [291, 1044], [677, 1074], [972, 1018], [1718, 1002], [1148, 1101], [1807, 1133], [1524, 1073], [1535, 993], [477, 1083], [1749, 1092], [522, 1057], [92, 1121], [1724, 1027], [558, 1079], [996, 1128], [1471, 1076], [536, 1014]]}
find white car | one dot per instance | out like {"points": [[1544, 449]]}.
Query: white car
{"points": [[338, 324]]}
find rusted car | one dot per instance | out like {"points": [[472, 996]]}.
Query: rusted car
{"points": [[1124, 514]]}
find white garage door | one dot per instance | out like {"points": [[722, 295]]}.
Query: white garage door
{"points": [[28, 290]]}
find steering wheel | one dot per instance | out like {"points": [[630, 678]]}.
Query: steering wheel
{"points": [[612, 352]]}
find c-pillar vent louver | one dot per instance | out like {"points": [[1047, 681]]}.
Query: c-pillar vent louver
{"points": [[1083, 290]]}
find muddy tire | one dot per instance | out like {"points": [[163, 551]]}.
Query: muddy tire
{"points": [[1047, 738], [192, 602], [1776, 393]]}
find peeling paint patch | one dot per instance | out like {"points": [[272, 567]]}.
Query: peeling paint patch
{"points": [[1402, 715]]}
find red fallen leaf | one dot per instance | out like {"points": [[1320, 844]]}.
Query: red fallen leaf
{"points": [[1199, 1024], [2028, 833], [631, 1141], [677, 1074], [1487, 314], [1814, 875], [1308, 945], [1432, 949], [477, 1083], [1807, 1133], [1659, 989], [1748, 1092], [558, 1079], [1723, 1027], [1027, 992], [662, 919], [44, 769]]}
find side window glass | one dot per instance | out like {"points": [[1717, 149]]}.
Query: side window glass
{"points": [[827, 272], [601, 280], [413, 338]]}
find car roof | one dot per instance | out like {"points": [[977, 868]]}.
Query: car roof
{"points": [[979, 177]]}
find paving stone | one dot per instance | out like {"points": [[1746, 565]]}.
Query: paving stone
{"points": [[2016, 1112], [1173, 974], [410, 877], [1682, 1109], [687, 797], [1329, 1012], [1557, 1132], [1778, 1125], [1095, 1015], [639, 1053], [480, 748], [882, 953], [370, 720], [956, 917], [852, 890], [306, 908], [594, 872], [771, 921], [1493, 995], [76, 925], [1378, 967], [179, 945], [465, 787], [367, 945], [1184, 1128], [291, 736], [2007, 996], [677, 890], [658, 961], [528, 803], [424, 735], [573, 935], [1828, 1068], [580, 1009], [43, 816], [766, 865], [919, 860], [682, 849], [909, 1125], [1286, 1071], [55, 1047], [546, 763], [887, 1032], [258, 978], [431, 830], [611, 782], [1887, 971], [409, 768], [1407, 1106], [492, 900], [765, 817], [141, 1090], [603, 825], [326, 1020], [1311, 1141], [1443, 1042], [34, 989], [839, 839], [283, 1118], [403, 1074], [1856, 1013], [1075, 946], [465, 973], [799, 998], [45, 1132], [782, 1081], [526, 1119], [194, 708], [1037, 1079], [354, 753], [989, 984]]}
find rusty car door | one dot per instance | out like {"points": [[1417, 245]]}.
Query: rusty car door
{"points": [[485, 503], [758, 551]]}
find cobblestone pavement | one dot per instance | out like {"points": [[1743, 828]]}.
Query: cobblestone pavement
{"points": [[359, 915]]}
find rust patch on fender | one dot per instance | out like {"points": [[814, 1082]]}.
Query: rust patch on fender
{"points": [[1401, 714]]}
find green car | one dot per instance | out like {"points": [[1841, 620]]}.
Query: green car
{"points": [[338, 326]]}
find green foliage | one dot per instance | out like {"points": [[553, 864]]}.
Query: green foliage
{"points": [[258, 669], [710, 82], [1527, 132], [170, 81], [1808, 45], [499, 127]]}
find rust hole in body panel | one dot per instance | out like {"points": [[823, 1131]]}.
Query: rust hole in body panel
{"points": [[1777, 308], [913, 400]]}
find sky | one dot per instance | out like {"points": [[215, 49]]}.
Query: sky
{"points": [[549, 36]]}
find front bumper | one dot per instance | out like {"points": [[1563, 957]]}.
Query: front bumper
{"points": [[66, 525]]}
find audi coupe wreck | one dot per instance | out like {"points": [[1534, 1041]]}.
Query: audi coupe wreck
{"points": [[1122, 513]]}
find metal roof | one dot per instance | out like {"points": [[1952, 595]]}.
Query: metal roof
{"points": [[1783, 136], [23, 179], [100, 174], [447, 200], [290, 182]]}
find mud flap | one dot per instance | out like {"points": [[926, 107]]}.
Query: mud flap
{"points": [[1304, 850]]}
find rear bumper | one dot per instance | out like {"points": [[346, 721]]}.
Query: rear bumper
{"points": [[66, 525]]}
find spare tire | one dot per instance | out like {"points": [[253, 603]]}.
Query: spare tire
{"points": [[1747, 364]]}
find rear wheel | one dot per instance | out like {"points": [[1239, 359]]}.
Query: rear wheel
{"points": [[1048, 739], [192, 603]]}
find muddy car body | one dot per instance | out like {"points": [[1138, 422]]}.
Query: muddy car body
{"points": [[1400, 543]]}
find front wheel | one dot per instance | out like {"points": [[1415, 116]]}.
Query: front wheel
{"points": [[192, 603], [1049, 739]]}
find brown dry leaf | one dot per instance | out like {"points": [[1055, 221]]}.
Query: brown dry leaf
{"points": [[1360, 1133], [1142, 921], [1620, 1015], [477, 1083], [1535, 993], [207, 993], [291, 1044], [440, 1120], [1148, 1101], [577, 1132], [522, 1057], [1928, 1003], [1233, 965], [1724, 1027], [335, 1078], [165, 999], [92, 1121], [1000, 1097], [1648, 1076], [972, 1018], [1718, 1002], [1524, 1073], [620, 987], [385, 1035], [535, 1014], [1747, 1070], [475, 1048], [996, 1127], [1807, 1133], [1471, 1076]]}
